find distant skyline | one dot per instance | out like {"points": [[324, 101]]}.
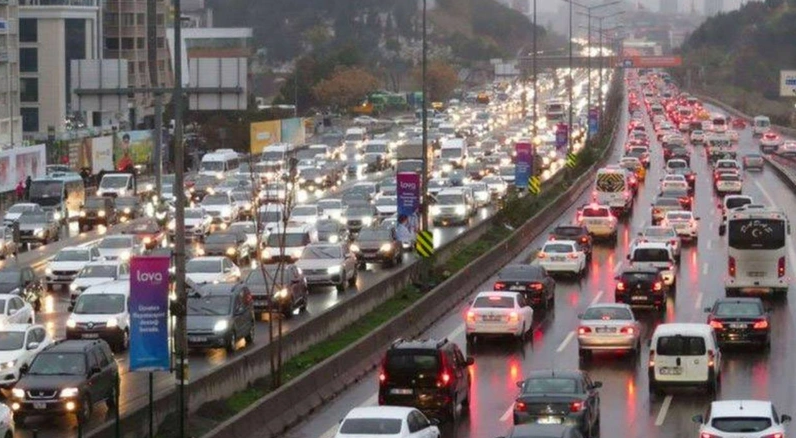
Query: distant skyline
{"points": [[652, 5]]}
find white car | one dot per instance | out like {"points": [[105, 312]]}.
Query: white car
{"points": [[599, 221], [331, 208], [387, 422], [684, 223], [365, 120], [305, 214], [386, 206], [270, 216], [249, 228], [197, 224], [729, 183], [328, 264], [19, 345], [742, 418], [67, 263], [787, 149], [201, 270], [562, 256], [119, 247], [101, 312], [498, 313], [481, 193], [15, 211], [7, 426], [96, 273], [15, 310], [659, 234], [220, 208], [770, 142], [497, 187], [697, 136], [608, 327], [734, 136]]}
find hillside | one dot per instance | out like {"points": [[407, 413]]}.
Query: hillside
{"points": [[737, 56]]}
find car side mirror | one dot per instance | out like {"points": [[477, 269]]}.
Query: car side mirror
{"points": [[628, 256], [24, 368], [706, 309], [470, 361], [33, 345], [520, 384], [70, 308], [698, 419], [785, 419], [95, 370], [580, 316]]}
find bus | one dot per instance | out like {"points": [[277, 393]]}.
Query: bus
{"points": [[719, 123], [62, 193], [219, 163], [555, 111], [757, 252]]}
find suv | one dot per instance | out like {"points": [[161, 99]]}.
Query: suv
{"points": [[96, 211], [67, 377], [219, 314], [430, 375], [101, 312], [641, 286]]}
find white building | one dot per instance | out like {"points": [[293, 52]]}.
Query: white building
{"points": [[10, 120]]}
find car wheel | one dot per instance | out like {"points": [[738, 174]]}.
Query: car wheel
{"points": [[232, 342], [250, 335]]}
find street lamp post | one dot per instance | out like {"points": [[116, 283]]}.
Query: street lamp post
{"points": [[535, 88], [424, 177]]}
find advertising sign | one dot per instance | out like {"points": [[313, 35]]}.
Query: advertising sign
{"points": [[787, 83], [651, 61], [594, 121], [562, 131], [263, 134], [292, 131], [523, 164], [19, 163], [149, 313], [408, 193], [133, 147], [101, 154]]}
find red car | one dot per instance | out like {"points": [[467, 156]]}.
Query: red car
{"points": [[738, 123]]}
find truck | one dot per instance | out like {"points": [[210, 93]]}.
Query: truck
{"points": [[453, 153]]}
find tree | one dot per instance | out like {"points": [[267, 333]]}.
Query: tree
{"points": [[346, 87], [441, 80]]}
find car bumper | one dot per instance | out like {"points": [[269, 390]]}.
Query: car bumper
{"points": [[57, 406], [641, 298], [730, 337], [578, 420], [607, 342], [324, 279], [374, 257], [207, 340], [112, 335], [60, 279], [549, 266], [493, 328], [601, 230], [432, 403]]}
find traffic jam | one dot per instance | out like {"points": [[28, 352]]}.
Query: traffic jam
{"points": [[656, 307]]}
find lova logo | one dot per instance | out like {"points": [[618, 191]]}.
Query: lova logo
{"points": [[149, 277], [408, 185]]}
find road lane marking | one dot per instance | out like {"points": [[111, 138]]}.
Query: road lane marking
{"points": [[698, 302], [459, 330], [616, 267], [596, 298], [710, 244], [765, 193], [565, 342], [664, 409], [705, 268], [507, 414]]}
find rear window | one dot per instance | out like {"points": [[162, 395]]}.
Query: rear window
{"points": [[741, 424], [550, 386], [639, 277], [737, 202], [680, 346], [371, 426], [411, 361], [607, 314], [559, 248], [650, 255], [494, 302], [742, 309], [568, 231]]}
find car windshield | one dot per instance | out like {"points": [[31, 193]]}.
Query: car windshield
{"points": [[114, 181], [98, 271], [494, 302], [373, 234], [215, 200], [100, 304], [327, 226], [322, 252], [10, 341], [125, 202], [194, 214], [660, 232], [550, 386], [558, 248], [742, 424], [438, 183], [73, 255], [651, 255], [738, 309], [607, 313], [209, 305], [241, 196], [737, 202], [115, 243], [595, 212], [55, 364], [451, 153], [203, 266], [290, 239], [221, 238], [450, 200], [639, 277], [33, 218], [20, 208], [256, 277], [680, 346], [729, 177], [305, 211]]}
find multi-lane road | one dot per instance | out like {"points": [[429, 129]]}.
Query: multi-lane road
{"points": [[626, 407]]}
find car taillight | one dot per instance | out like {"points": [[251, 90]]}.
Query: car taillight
{"points": [[627, 330], [657, 287], [708, 435], [541, 255], [731, 266], [514, 317], [576, 406], [781, 267], [537, 286], [711, 358], [652, 359], [716, 324], [572, 256], [584, 330], [761, 324], [773, 435], [620, 285], [471, 316], [382, 373], [673, 242], [500, 286], [519, 406], [444, 378], [552, 237], [656, 211], [584, 239]]}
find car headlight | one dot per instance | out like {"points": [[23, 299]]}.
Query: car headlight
{"points": [[334, 238], [39, 232], [125, 256], [82, 213], [434, 210], [122, 192], [126, 210], [69, 392], [247, 206], [226, 211], [149, 187], [147, 240], [171, 225], [367, 220], [266, 255], [317, 180], [460, 209], [210, 191], [57, 215], [221, 326], [9, 364], [281, 294], [231, 251], [386, 248], [71, 323], [333, 270], [200, 251], [18, 393], [99, 193], [354, 248], [113, 322], [48, 271], [296, 253]]}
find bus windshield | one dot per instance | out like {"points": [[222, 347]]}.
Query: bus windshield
{"points": [[765, 234], [213, 166], [46, 192]]}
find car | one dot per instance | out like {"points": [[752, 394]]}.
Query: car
{"points": [[13, 213], [728, 183], [19, 345], [753, 161], [667, 235], [38, 227], [498, 313], [558, 256], [787, 149], [531, 280], [388, 422], [331, 208], [386, 206], [358, 215], [497, 187], [23, 282], [544, 431], [331, 231], [127, 208], [683, 195], [15, 310], [101, 312], [147, 231], [747, 418], [661, 205], [697, 136], [559, 396], [450, 207], [270, 217], [96, 210], [599, 221], [218, 315], [329, 264], [608, 327], [740, 321], [96, 273], [305, 214], [431, 375], [685, 224], [578, 233], [67, 377], [640, 152], [641, 286], [481, 194], [655, 255], [770, 142], [67, 263], [201, 270], [120, 247], [287, 243], [377, 245], [197, 224], [9, 247], [278, 288], [234, 245], [220, 207], [683, 355], [249, 229]]}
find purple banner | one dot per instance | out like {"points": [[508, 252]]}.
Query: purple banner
{"points": [[523, 164], [408, 193], [149, 314]]}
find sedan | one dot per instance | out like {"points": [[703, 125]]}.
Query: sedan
{"points": [[578, 233], [148, 232], [729, 183], [278, 288], [608, 327], [559, 397], [532, 281], [40, 228], [19, 345], [15, 310], [328, 264], [684, 223], [387, 422], [498, 313], [770, 142], [753, 161], [378, 245], [562, 256], [740, 321], [201, 270], [231, 244]]}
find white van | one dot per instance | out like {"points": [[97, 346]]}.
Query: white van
{"points": [[355, 137], [612, 188], [219, 163], [288, 245], [102, 312], [684, 355], [453, 154], [761, 125]]}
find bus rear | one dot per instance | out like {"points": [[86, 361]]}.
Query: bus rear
{"points": [[757, 255]]}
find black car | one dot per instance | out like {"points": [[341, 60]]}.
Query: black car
{"points": [[532, 281], [23, 282], [219, 315], [282, 289], [578, 233], [332, 231], [204, 185], [230, 244], [127, 207], [568, 397], [67, 377], [357, 216], [38, 228], [544, 431], [641, 286], [96, 211], [740, 321], [430, 375], [377, 245]]}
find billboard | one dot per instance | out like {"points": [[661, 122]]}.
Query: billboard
{"points": [[523, 164], [787, 83], [263, 134], [101, 154], [292, 131], [408, 193], [19, 163], [149, 313], [134, 147], [651, 61]]}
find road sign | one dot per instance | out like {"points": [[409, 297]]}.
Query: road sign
{"points": [[535, 185], [408, 193], [651, 61], [523, 164], [149, 304], [562, 131], [594, 121], [572, 160], [425, 244], [787, 83]]}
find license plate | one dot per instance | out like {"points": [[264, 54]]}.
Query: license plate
{"points": [[492, 318], [39, 405], [558, 258], [605, 329], [90, 335], [550, 420], [401, 391], [671, 371], [757, 274], [197, 338], [639, 298], [738, 326], [517, 287]]}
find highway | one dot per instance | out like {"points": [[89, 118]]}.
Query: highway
{"points": [[626, 407]]}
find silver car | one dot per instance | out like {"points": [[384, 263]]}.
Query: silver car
{"points": [[608, 327], [662, 234]]}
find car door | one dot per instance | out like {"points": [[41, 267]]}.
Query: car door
{"points": [[463, 381], [14, 310], [240, 321], [95, 386]]}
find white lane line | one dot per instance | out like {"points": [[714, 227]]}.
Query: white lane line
{"points": [[565, 342], [765, 193], [616, 267], [507, 414], [698, 302], [596, 298], [664, 409], [332, 431], [710, 244], [705, 268], [459, 330]]}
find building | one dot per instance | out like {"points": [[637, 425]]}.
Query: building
{"points": [[52, 34], [196, 14], [713, 7], [10, 120], [669, 6], [125, 25]]}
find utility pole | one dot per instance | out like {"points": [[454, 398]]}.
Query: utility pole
{"points": [[571, 83], [535, 87], [424, 177]]}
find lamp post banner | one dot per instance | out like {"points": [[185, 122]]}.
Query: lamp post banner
{"points": [[149, 313]]}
